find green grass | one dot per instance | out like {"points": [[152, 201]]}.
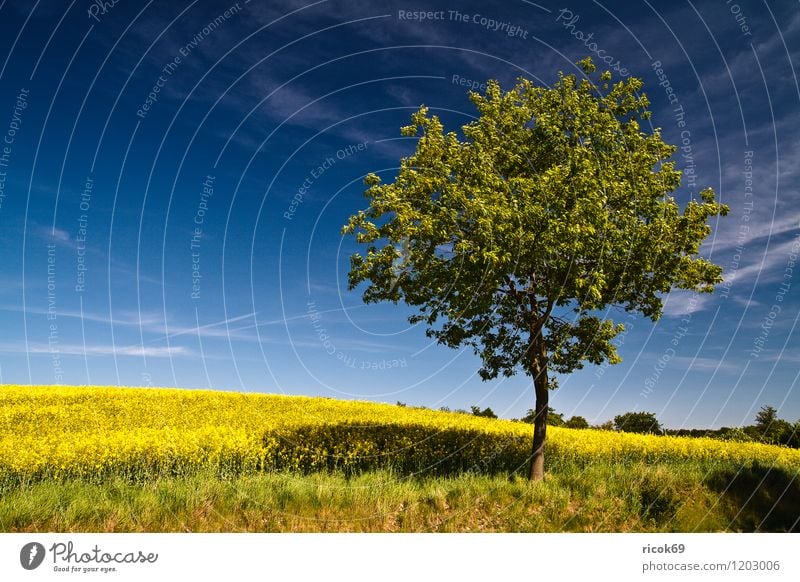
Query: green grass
{"points": [[598, 498]]}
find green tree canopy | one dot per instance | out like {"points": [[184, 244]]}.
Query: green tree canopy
{"points": [[765, 418], [517, 237], [640, 422], [553, 418], [486, 412], [772, 429], [577, 422]]}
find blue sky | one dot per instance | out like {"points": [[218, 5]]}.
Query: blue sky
{"points": [[174, 177]]}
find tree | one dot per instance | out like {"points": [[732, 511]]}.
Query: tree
{"points": [[765, 418], [641, 422], [553, 418], [486, 412], [577, 422], [794, 436], [772, 429], [518, 238], [737, 435]]}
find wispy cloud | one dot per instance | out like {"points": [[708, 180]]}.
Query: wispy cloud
{"points": [[96, 350], [53, 235], [699, 364], [768, 268], [758, 235], [680, 302], [765, 268], [151, 323], [236, 328], [120, 317], [218, 329]]}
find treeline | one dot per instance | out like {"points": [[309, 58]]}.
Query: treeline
{"points": [[767, 428]]}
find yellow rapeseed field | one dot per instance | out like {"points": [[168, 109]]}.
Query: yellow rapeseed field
{"points": [[140, 433]]}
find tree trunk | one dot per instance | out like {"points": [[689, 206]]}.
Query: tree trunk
{"points": [[538, 367]]}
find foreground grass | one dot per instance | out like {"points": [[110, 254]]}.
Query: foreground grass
{"points": [[601, 498]]}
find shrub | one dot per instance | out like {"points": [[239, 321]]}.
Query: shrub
{"points": [[638, 422], [577, 422]]}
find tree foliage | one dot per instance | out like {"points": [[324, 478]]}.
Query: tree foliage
{"points": [[639, 422], [517, 237], [768, 428], [765, 418], [772, 429], [577, 422], [553, 418], [486, 412]]}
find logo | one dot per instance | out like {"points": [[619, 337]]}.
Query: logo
{"points": [[31, 555]]}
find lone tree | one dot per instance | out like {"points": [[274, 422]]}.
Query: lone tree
{"points": [[486, 412], [577, 422], [641, 422], [518, 238], [765, 418], [772, 429]]}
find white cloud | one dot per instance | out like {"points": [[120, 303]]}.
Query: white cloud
{"points": [[698, 364], [681, 302], [95, 350], [769, 268], [60, 234]]}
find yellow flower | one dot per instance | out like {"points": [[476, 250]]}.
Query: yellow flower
{"points": [[46, 430]]}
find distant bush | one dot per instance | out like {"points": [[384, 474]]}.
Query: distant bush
{"points": [[737, 435], [553, 418], [577, 422], [485, 413], [638, 422], [768, 429], [607, 425]]}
